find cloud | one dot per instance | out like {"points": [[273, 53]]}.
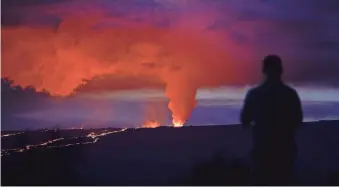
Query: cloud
{"points": [[84, 45], [120, 82]]}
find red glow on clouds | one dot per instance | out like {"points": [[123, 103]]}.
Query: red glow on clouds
{"points": [[183, 57]]}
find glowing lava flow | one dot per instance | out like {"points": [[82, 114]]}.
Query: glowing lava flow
{"points": [[94, 136], [151, 124], [178, 123], [43, 144], [12, 134]]}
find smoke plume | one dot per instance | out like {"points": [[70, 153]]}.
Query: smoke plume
{"points": [[180, 45]]}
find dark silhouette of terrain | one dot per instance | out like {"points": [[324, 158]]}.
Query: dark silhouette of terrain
{"points": [[42, 167], [202, 155], [275, 110]]}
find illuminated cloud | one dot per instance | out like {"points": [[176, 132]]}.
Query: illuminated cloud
{"points": [[85, 45]]}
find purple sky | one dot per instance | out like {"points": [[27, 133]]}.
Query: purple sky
{"points": [[132, 108], [304, 32]]}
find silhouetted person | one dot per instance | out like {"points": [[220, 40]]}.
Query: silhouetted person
{"points": [[274, 110]]}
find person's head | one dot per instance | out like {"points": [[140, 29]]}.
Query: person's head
{"points": [[272, 67]]}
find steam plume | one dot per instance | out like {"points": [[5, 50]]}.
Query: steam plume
{"points": [[181, 44]]}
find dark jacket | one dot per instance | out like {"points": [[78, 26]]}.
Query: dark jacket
{"points": [[275, 111]]}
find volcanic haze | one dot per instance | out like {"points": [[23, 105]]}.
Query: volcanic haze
{"points": [[179, 46]]}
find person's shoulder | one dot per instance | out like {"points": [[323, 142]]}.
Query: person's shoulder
{"points": [[257, 88], [253, 90], [290, 89], [292, 92]]}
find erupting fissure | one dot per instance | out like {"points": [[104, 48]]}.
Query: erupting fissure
{"points": [[151, 124], [178, 123], [88, 55]]}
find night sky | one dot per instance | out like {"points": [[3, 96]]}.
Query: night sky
{"points": [[93, 49]]}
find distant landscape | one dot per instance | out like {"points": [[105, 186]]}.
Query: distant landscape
{"points": [[149, 92], [156, 156]]}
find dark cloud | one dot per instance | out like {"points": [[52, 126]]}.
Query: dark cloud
{"points": [[116, 83], [18, 98], [21, 12], [15, 99], [304, 32], [23, 3]]}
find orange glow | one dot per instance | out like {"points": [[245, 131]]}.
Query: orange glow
{"points": [[93, 135], [59, 60], [151, 124], [178, 123]]}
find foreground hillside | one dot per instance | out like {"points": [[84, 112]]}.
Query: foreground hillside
{"points": [[168, 156]]}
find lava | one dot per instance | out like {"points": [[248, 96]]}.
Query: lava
{"points": [[178, 123], [11, 134], [151, 124], [94, 136], [86, 54]]}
